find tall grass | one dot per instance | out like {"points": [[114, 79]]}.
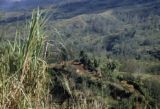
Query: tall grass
{"points": [[23, 76], [24, 79]]}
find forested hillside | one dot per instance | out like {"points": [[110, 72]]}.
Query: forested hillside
{"points": [[80, 54], [122, 28]]}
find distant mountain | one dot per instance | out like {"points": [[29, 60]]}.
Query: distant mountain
{"points": [[27, 4], [115, 27], [70, 4]]}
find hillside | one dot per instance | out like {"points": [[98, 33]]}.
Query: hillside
{"points": [[115, 27], [107, 24], [79, 54], [128, 29]]}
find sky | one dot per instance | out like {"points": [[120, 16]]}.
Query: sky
{"points": [[6, 4], [14, 0], [10, 1]]}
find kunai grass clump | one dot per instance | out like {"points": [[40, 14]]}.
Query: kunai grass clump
{"points": [[23, 76], [25, 82]]}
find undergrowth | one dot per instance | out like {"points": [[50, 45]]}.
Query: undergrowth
{"points": [[26, 80], [23, 76]]}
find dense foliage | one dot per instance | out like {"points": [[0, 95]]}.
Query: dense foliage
{"points": [[96, 54]]}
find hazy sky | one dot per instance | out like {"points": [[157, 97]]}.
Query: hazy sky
{"points": [[14, 0], [4, 1], [6, 4]]}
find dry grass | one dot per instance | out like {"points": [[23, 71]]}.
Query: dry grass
{"points": [[23, 79]]}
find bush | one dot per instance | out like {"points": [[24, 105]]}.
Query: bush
{"points": [[89, 63], [109, 67], [153, 87]]}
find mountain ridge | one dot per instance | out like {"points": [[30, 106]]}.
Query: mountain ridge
{"points": [[64, 3], [103, 23]]}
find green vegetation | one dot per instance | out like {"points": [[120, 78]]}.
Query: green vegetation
{"points": [[104, 58], [90, 64], [24, 78]]}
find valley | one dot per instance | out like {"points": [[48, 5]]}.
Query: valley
{"points": [[80, 54]]}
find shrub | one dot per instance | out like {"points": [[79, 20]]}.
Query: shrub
{"points": [[89, 63], [109, 67], [153, 87]]}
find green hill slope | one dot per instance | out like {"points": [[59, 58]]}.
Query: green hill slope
{"points": [[121, 28]]}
